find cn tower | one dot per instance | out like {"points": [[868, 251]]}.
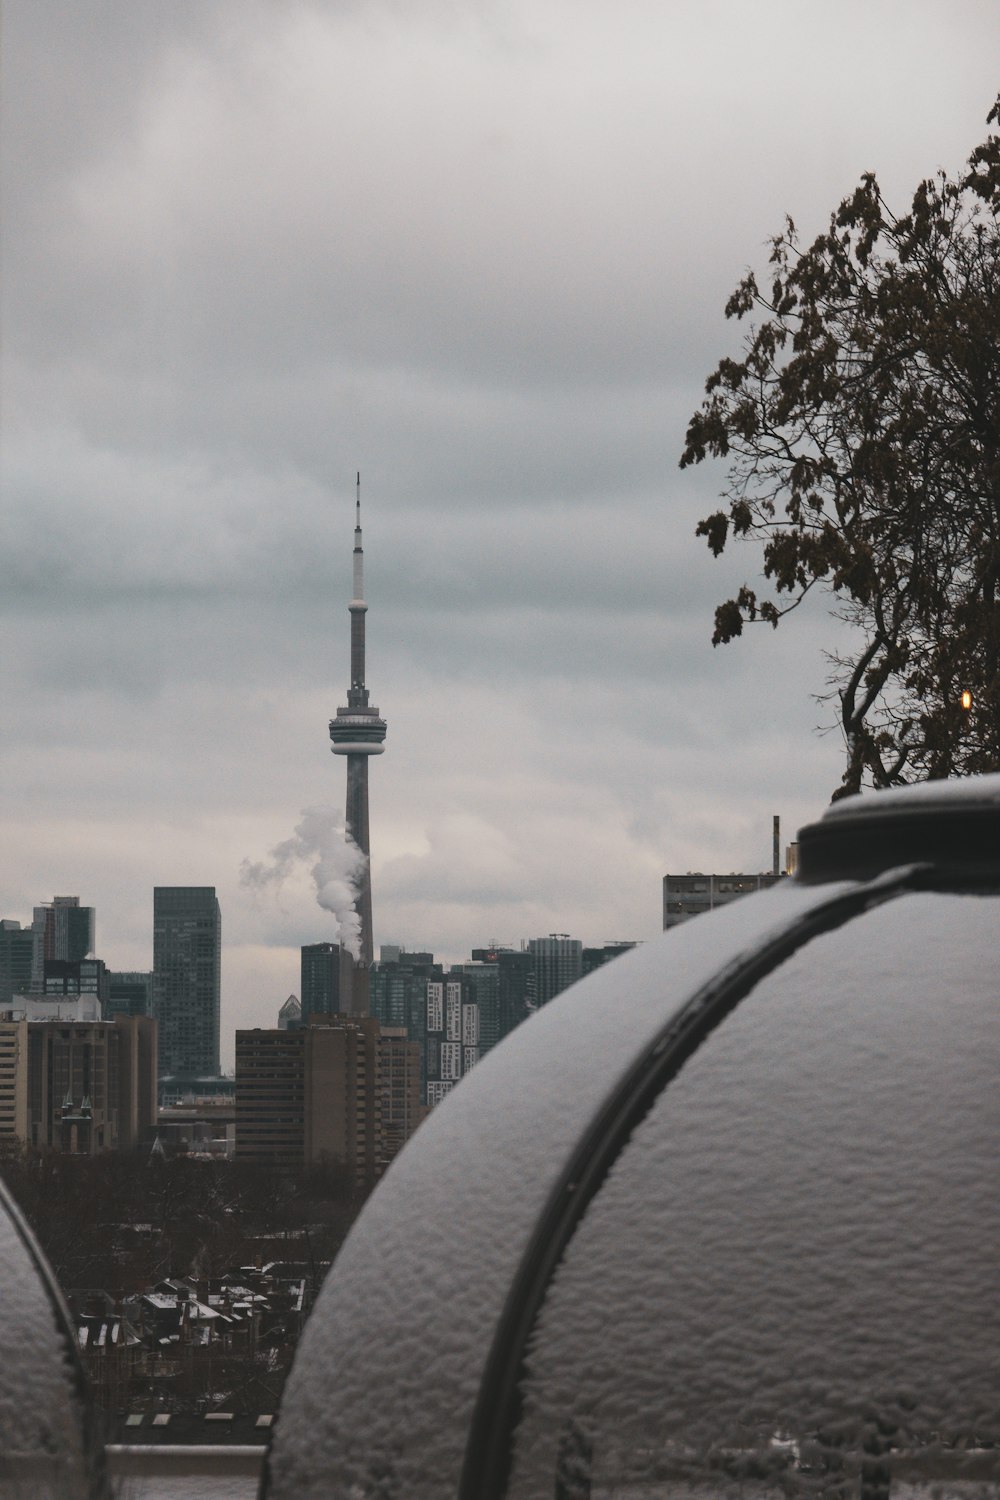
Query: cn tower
{"points": [[358, 732]]}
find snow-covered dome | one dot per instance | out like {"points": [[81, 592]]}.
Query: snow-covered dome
{"points": [[721, 1219], [50, 1447]]}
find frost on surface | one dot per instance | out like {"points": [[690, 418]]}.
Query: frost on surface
{"points": [[381, 1393], [788, 1284], [956, 792], [41, 1448]]}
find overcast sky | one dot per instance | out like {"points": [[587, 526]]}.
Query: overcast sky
{"points": [[480, 252]]}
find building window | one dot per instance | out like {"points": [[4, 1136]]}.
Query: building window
{"points": [[451, 1060]]}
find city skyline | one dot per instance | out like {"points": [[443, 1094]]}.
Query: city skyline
{"points": [[182, 991], [482, 256]]}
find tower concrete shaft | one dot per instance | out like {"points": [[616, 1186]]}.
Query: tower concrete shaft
{"points": [[358, 732]]}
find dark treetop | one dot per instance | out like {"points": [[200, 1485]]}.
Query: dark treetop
{"points": [[863, 431]]}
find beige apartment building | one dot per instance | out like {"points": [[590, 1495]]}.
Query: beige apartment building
{"points": [[81, 1086], [13, 1080], [333, 1089], [402, 1110]]}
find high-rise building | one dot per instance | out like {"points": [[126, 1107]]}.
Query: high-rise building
{"points": [[596, 958], [90, 1085], [310, 1094], [399, 996], [62, 929], [290, 1014], [452, 1046], [71, 1007], [137, 1091], [402, 1110], [130, 993], [271, 1071], [80, 976], [686, 896], [187, 964], [13, 1078], [358, 732], [16, 948], [515, 984], [483, 980], [557, 962], [319, 985]]}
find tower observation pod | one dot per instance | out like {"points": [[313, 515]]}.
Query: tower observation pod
{"points": [[358, 732]]}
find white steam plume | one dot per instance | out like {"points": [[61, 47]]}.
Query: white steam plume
{"points": [[320, 836]]}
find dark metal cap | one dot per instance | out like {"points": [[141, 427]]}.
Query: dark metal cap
{"points": [[953, 826]]}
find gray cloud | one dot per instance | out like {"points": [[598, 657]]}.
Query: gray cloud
{"points": [[481, 254]]}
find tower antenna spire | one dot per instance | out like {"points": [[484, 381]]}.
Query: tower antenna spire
{"points": [[358, 732]]}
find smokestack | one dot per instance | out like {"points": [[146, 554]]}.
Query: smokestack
{"points": [[776, 845]]}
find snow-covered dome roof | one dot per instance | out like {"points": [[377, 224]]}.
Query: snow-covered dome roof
{"points": [[723, 1215], [49, 1445]]}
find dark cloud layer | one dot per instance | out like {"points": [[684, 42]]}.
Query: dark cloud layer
{"points": [[480, 253]]}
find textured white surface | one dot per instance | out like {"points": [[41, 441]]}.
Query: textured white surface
{"points": [[804, 1235], [386, 1374], [959, 793], [40, 1423], [213, 1486]]}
